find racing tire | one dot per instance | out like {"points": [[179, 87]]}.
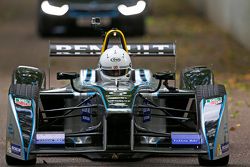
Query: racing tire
{"points": [[220, 162], [25, 90], [207, 91], [14, 161], [29, 75], [191, 77]]}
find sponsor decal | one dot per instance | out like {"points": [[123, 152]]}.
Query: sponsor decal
{"points": [[115, 59], [211, 132], [118, 99], [16, 149], [218, 150], [19, 109], [185, 138], [225, 147], [53, 138], [86, 113], [142, 75], [23, 102], [222, 149], [214, 101], [146, 112], [78, 49]]}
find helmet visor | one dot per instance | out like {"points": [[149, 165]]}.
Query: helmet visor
{"points": [[115, 73]]}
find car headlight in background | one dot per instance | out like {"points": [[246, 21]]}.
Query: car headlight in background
{"points": [[54, 10], [132, 10]]}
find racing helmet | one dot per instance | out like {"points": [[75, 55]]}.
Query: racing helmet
{"points": [[115, 62]]}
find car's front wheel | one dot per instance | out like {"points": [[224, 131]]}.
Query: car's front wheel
{"points": [[26, 92], [208, 92]]}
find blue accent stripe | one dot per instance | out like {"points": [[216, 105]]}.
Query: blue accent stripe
{"points": [[142, 75], [33, 127], [88, 75], [90, 93], [135, 94], [99, 90], [218, 126]]}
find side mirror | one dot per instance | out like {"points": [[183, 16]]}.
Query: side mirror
{"points": [[164, 75], [67, 75]]}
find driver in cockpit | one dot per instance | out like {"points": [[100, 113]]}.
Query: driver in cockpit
{"points": [[115, 64]]}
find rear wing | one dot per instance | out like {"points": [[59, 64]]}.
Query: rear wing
{"points": [[91, 50]]}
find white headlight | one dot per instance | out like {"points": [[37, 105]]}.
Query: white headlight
{"points": [[132, 10], [54, 10]]}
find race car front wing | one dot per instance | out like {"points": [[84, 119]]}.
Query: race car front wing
{"points": [[108, 136]]}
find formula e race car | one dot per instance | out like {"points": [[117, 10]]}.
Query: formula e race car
{"points": [[116, 111], [56, 17]]}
